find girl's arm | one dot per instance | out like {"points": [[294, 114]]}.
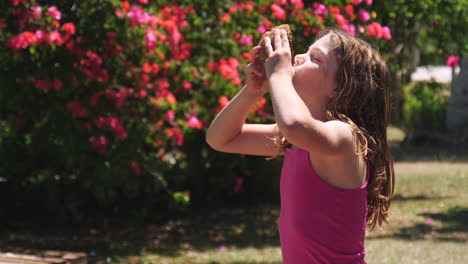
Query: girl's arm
{"points": [[228, 133], [294, 119]]}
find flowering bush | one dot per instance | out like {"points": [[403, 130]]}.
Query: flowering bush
{"points": [[106, 101]]}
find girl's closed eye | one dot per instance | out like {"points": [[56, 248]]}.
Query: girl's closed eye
{"points": [[314, 58]]}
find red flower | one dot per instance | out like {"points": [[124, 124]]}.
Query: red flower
{"points": [[299, 4], [2, 24], [340, 19], [17, 2], [350, 11], [187, 85], [334, 9], [142, 94], [57, 84], [69, 28], [225, 17], [77, 109], [375, 29], [182, 51], [42, 84], [176, 135], [134, 166], [452, 61]]}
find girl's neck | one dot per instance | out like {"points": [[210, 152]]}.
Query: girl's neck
{"points": [[318, 109]]}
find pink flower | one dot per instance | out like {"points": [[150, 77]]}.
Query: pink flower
{"points": [[18, 42], [41, 36], [56, 38], [278, 12], [150, 39], [261, 29], [349, 28], [361, 29], [246, 40], [36, 11], [429, 221], [357, 2], [143, 2], [386, 34], [363, 15], [170, 116], [137, 16], [223, 248], [452, 61], [238, 186], [176, 36], [320, 9], [114, 124], [99, 143], [54, 13], [194, 122], [368, 2]]}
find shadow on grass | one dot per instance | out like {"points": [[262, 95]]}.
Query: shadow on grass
{"points": [[454, 227], [240, 228], [402, 198]]}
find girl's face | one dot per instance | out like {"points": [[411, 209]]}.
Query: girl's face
{"points": [[315, 70]]}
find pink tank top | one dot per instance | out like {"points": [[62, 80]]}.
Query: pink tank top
{"points": [[319, 223]]}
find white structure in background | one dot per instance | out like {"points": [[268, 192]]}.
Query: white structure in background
{"points": [[440, 74]]}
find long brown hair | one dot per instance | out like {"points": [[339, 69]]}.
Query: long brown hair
{"points": [[362, 101]]}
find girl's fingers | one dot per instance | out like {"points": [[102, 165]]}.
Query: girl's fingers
{"points": [[255, 69], [284, 39], [268, 47], [278, 44], [254, 52]]}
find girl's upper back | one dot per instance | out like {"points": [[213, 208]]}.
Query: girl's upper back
{"points": [[319, 223]]}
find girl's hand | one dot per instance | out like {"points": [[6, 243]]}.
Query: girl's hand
{"points": [[279, 59], [256, 78]]}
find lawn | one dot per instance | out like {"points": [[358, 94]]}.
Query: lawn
{"points": [[429, 224]]}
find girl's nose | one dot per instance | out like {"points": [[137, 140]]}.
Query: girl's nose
{"points": [[298, 60]]}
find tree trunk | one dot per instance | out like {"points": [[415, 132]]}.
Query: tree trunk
{"points": [[457, 109]]}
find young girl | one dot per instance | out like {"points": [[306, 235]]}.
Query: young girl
{"points": [[331, 109]]}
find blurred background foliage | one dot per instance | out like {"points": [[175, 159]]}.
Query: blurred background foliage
{"points": [[104, 104]]}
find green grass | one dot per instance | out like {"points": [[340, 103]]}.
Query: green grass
{"points": [[429, 224]]}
